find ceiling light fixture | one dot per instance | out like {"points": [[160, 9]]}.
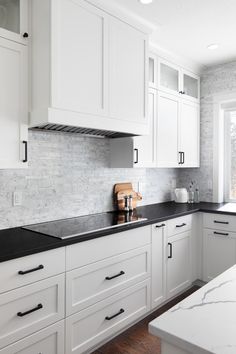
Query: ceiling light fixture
{"points": [[146, 2], [212, 46]]}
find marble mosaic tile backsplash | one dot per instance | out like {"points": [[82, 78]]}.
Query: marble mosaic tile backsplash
{"points": [[69, 175]]}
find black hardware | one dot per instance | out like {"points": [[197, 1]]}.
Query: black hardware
{"points": [[22, 314], [183, 160], [108, 318], [221, 222], [181, 225], [21, 272], [162, 225], [171, 250], [136, 150], [115, 276], [26, 151], [25, 35], [181, 92], [221, 233], [181, 157]]}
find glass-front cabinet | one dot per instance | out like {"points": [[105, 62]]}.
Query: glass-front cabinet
{"points": [[191, 86], [175, 80], [168, 77], [14, 20]]}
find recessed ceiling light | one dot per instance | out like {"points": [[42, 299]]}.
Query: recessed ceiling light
{"points": [[146, 2], [212, 46]]}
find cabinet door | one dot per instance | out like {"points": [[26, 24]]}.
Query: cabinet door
{"points": [[191, 86], [79, 57], [219, 250], [189, 133], [158, 293], [13, 104], [169, 77], [145, 146], [178, 263], [14, 20], [168, 107], [128, 73]]}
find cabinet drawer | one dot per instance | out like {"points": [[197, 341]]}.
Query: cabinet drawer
{"points": [[91, 251], [219, 222], [92, 283], [31, 308], [179, 225], [50, 340], [23, 271], [87, 328]]}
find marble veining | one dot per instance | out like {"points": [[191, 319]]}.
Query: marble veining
{"points": [[205, 322]]}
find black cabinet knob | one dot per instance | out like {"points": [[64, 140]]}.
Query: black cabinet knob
{"points": [[25, 35]]}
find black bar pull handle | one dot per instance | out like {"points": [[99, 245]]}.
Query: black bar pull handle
{"points": [[108, 318], [115, 276], [26, 150], [23, 272], [181, 225], [180, 158], [161, 225], [221, 233], [183, 159], [22, 314], [221, 222], [171, 250], [136, 152]]}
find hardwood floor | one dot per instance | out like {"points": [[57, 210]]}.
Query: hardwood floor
{"points": [[137, 340]]}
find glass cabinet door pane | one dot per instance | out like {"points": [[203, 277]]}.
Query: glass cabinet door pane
{"points": [[190, 86], [10, 15], [169, 77], [151, 71]]}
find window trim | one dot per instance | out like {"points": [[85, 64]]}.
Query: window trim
{"points": [[227, 157]]}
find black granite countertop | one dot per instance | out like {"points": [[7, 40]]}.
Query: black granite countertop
{"points": [[17, 242]]}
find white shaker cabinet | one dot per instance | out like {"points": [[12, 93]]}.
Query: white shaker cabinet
{"points": [[14, 20], [178, 263], [189, 135], [138, 151], [168, 113], [177, 132], [13, 104], [219, 252], [178, 81], [89, 69]]}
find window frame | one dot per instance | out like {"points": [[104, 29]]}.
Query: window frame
{"points": [[227, 158]]}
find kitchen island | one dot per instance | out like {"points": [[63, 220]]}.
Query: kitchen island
{"points": [[203, 323]]}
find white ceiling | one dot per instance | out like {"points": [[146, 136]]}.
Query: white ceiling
{"points": [[187, 27]]}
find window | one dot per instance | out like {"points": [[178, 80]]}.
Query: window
{"points": [[230, 156]]}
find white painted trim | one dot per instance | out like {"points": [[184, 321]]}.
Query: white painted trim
{"points": [[125, 15], [184, 62], [218, 144]]}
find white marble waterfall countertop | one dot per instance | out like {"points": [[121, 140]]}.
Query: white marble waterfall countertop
{"points": [[205, 322]]}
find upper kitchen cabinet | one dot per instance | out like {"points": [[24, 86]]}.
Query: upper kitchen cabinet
{"points": [[13, 104], [138, 151], [14, 20], [177, 124], [89, 69], [175, 80]]}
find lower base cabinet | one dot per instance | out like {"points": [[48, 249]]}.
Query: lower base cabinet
{"points": [[178, 263], [50, 340], [219, 252], [87, 328]]}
